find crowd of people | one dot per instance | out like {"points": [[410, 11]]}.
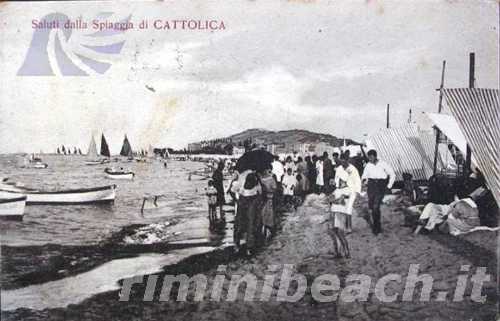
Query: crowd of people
{"points": [[260, 195]]}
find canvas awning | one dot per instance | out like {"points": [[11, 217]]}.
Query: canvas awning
{"points": [[477, 113], [449, 127]]}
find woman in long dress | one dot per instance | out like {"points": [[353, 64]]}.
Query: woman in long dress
{"points": [[269, 186], [247, 220]]}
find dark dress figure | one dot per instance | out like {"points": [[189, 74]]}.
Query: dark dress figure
{"points": [[218, 179], [328, 172]]}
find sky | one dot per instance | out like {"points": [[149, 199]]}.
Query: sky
{"points": [[325, 66]]}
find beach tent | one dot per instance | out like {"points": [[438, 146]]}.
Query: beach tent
{"points": [[477, 113], [407, 150]]}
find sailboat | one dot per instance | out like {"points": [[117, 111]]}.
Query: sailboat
{"points": [[126, 149], [92, 153], [104, 147]]}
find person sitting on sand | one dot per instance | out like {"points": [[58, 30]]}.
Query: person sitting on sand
{"points": [[211, 193], [460, 216]]}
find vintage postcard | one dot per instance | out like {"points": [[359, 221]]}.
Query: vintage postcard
{"points": [[249, 160]]}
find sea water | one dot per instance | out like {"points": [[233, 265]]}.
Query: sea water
{"points": [[90, 224], [184, 203]]}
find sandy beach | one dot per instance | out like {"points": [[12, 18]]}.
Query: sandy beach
{"points": [[304, 242]]}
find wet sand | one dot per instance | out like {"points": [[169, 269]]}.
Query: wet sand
{"points": [[304, 242]]}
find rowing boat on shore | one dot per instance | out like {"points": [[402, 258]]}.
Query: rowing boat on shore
{"points": [[95, 195], [12, 207]]}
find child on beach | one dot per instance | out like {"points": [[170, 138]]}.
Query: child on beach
{"points": [[211, 193], [289, 185]]}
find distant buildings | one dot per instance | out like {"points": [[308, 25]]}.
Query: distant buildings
{"points": [[213, 146], [194, 147], [228, 146]]}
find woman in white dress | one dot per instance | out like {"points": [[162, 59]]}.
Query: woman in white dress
{"points": [[319, 175]]}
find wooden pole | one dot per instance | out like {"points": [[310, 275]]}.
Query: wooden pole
{"points": [[387, 113], [409, 117], [468, 156], [440, 107]]}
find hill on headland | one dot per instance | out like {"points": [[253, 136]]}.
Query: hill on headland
{"points": [[292, 136]]}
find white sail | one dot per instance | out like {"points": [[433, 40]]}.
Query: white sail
{"points": [[92, 152], [150, 151]]}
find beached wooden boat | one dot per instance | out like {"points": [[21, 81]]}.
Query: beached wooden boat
{"points": [[118, 174], [94, 195], [12, 207]]}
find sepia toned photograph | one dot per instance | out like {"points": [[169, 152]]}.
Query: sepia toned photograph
{"points": [[249, 160]]}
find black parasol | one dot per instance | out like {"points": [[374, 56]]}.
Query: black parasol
{"points": [[257, 160]]}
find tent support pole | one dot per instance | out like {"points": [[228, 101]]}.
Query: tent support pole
{"points": [[468, 157], [438, 132], [387, 116]]}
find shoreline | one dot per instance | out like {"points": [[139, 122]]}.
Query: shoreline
{"points": [[304, 243], [36, 264]]}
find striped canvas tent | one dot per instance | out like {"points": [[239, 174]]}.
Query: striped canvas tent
{"points": [[478, 115], [407, 150]]}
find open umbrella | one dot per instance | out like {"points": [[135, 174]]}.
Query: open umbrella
{"points": [[257, 160]]}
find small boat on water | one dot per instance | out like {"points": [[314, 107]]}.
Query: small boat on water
{"points": [[12, 207], [93, 195], [38, 164], [118, 173], [97, 162], [35, 162]]}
